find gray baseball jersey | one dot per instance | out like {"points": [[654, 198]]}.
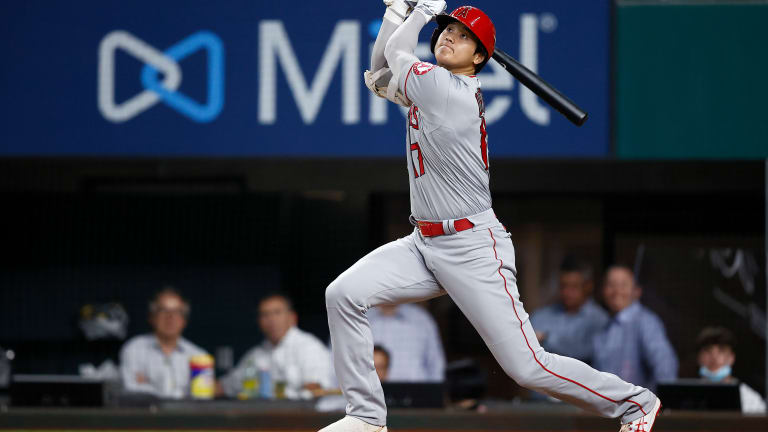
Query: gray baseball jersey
{"points": [[446, 143], [448, 170]]}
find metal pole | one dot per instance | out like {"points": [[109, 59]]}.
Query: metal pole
{"points": [[765, 235]]}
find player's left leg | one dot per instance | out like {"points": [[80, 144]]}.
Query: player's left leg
{"points": [[476, 268], [392, 274]]}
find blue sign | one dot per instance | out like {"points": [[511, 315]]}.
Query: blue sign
{"points": [[253, 78], [154, 90]]}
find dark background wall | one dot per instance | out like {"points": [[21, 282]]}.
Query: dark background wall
{"points": [[685, 90], [75, 233]]}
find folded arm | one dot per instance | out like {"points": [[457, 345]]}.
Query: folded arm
{"points": [[132, 373]]}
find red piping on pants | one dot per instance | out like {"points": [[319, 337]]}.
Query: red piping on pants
{"points": [[501, 263]]}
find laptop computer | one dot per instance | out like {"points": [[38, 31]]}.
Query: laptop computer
{"points": [[699, 395], [56, 390], [414, 394]]}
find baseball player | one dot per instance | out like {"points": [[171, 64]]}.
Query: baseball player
{"points": [[458, 247]]}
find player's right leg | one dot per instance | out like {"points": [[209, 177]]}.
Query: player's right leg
{"points": [[392, 274], [477, 269]]}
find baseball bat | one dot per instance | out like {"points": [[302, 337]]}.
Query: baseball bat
{"points": [[541, 88]]}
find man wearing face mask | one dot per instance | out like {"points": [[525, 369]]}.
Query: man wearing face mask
{"points": [[716, 358]]}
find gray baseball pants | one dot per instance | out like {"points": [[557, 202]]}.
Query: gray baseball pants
{"points": [[476, 268]]}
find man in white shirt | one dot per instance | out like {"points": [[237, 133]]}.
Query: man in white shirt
{"points": [[296, 363], [158, 363]]}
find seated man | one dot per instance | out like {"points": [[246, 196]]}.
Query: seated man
{"points": [[158, 363], [633, 344], [295, 362], [716, 357], [568, 326], [332, 399], [410, 335], [381, 362]]}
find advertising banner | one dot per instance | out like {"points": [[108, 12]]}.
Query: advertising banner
{"points": [[261, 79]]}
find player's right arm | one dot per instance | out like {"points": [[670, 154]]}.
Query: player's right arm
{"points": [[378, 78]]}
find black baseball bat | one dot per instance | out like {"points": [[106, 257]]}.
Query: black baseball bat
{"points": [[541, 88]]}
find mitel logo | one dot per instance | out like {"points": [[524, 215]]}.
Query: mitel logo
{"points": [[276, 54], [156, 62]]}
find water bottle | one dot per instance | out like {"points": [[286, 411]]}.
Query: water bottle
{"points": [[265, 384], [250, 384]]}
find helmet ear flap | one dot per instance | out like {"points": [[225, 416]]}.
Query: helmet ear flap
{"points": [[435, 36]]}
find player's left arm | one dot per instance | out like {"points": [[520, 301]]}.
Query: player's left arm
{"points": [[657, 352], [433, 82]]}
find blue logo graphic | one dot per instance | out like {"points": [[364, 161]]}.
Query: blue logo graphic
{"points": [[181, 102]]}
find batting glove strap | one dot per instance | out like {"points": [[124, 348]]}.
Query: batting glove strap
{"points": [[395, 95], [371, 78], [389, 91]]}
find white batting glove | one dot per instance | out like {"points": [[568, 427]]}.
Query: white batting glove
{"points": [[397, 10], [377, 81], [430, 8]]}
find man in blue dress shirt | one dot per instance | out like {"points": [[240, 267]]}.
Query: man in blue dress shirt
{"points": [[568, 326], [410, 335], [634, 344]]}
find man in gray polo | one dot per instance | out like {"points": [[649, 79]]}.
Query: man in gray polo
{"points": [[158, 363]]}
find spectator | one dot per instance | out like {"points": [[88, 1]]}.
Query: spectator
{"points": [[568, 326], [294, 360], [158, 363], [381, 362], [716, 357], [633, 344], [410, 335]]}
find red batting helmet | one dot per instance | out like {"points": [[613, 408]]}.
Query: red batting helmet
{"points": [[476, 21]]}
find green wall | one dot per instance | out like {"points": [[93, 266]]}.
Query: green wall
{"points": [[691, 80]]}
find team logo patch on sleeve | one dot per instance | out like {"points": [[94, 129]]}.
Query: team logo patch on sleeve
{"points": [[421, 68]]}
